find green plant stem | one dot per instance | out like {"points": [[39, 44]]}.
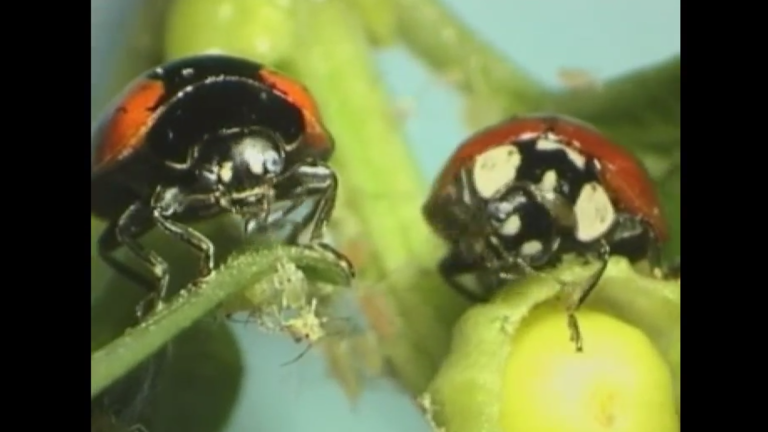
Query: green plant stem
{"points": [[640, 110], [439, 38], [244, 271], [643, 96], [467, 392], [377, 219]]}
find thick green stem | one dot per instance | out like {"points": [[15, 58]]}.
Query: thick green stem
{"points": [[377, 220], [242, 272]]}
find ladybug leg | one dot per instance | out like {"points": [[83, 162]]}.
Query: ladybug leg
{"points": [[201, 244], [603, 254], [108, 242], [513, 262], [583, 293], [313, 179], [279, 222], [170, 202], [260, 222], [454, 265], [131, 224], [290, 190]]}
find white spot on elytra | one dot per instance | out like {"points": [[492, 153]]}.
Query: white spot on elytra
{"points": [[594, 212], [531, 247], [495, 169], [548, 181], [546, 144], [511, 226]]}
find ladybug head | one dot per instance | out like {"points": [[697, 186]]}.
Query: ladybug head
{"points": [[250, 158], [242, 165], [522, 225]]}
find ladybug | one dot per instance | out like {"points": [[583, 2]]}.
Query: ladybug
{"points": [[518, 195], [204, 136]]}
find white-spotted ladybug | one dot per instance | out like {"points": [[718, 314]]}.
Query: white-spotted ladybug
{"points": [[515, 197], [203, 136]]}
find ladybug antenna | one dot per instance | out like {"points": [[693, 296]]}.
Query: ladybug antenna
{"points": [[300, 356]]}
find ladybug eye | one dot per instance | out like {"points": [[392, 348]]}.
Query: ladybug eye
{"points": [[273, 162]]}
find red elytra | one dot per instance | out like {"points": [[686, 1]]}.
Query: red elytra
{"points": [[298, 95], [622, 175], [125, 129]]}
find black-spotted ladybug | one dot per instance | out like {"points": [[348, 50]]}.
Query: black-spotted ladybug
{"points": [[202, 136], [515, 197]]}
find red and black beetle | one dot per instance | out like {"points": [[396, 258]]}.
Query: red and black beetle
{"points": [[515, 197], [202, 136]]}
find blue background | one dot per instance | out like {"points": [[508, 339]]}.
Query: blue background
{"points": [[604, 37]]}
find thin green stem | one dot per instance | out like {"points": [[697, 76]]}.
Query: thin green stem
{"points": [[247, 270], [648, 95], [441, 40]]}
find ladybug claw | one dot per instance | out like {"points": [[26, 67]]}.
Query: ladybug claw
{"points": [[573, 327], [149, 305], [206, 270], [198, 283]]}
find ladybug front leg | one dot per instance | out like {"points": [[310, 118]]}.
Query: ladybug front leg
{"points": [[313, 179], [602, 255], [455, 265], [168, 203], [584, 290], [511, 265], [135, 221]]}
